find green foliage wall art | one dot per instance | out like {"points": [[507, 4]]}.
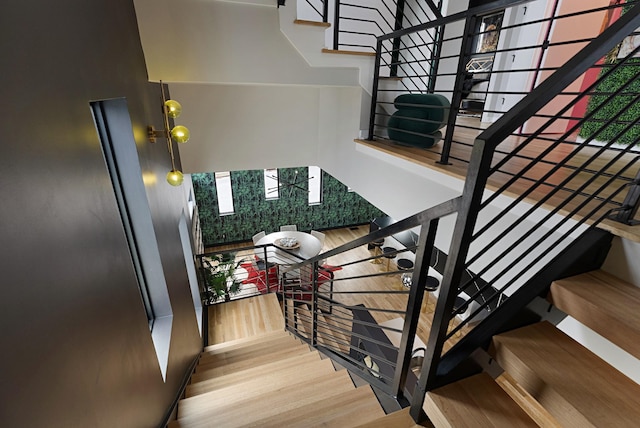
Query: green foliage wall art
{"points": [[620, 109], [254, 212]]}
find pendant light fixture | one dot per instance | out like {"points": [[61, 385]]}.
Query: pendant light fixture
{"points": [[179, 134]]}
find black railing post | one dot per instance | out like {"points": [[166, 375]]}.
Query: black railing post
{"points": [[437, 10], [479, 166], [456, 96], [414, 304], [395, 50], [325, 11], [336, 25], [314, 305], [434, 63], [374, 89]]}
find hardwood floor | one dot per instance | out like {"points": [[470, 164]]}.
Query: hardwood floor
{"points": [[383, 292]]}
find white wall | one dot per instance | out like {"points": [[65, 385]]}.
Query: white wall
{"points": [[524, 59], [224, 42], [236, 127]]}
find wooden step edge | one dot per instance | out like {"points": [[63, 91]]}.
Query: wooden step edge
{"points": [[340, 409], [267, 387], [477, 398], [254, 347], [345, 52], [312, 23], [251, 360], [217, 382], [604, 303], [561, 374], [245, 340], [396, 78], [214, 370], [530, 405], [292, 396], [398, 419]]}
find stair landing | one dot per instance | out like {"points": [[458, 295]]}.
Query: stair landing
{"points": [[244, 318]]}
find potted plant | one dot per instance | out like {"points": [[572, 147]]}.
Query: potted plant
{"points": [[219, 280]]}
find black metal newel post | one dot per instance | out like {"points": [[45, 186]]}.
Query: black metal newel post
{"points": [[325, 11], [434, 63], [314, 306], [336, 25], [456, 96], [416, 294], [395, 50], [460, 242], [374, 89]]}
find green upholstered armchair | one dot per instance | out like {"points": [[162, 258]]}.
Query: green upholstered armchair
{"points": [[418, 119]]}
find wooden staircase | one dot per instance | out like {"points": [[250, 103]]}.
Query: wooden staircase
{"points": [[550, 379], [271, 379]]}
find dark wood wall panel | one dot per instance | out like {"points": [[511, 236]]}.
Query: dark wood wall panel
{"points": [[76, 349]]}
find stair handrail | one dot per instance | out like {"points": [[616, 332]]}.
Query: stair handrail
{"points": [[443, 209], [478, 172]]}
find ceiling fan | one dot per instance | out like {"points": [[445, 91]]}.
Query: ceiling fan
{"points": [[292, 185]]}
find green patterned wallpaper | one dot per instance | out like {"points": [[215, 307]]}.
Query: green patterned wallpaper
{"points": [[623, 107], [253, 212]]}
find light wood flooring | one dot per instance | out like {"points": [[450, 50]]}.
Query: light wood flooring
{"points": [[464, 137], [387, 291]]}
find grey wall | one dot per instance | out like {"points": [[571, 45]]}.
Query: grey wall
{"points": [[76, 348]]}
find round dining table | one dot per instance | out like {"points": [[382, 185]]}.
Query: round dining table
{"points": [[306, 246]]}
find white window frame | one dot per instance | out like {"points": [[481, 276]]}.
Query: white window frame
{"points": [[224, 192]]}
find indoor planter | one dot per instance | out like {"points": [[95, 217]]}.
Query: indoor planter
{"points": [[219, 280]]}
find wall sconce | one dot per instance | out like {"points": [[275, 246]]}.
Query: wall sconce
{"points": [[179, 134]]}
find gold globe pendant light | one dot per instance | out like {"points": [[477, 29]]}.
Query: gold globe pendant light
{"points": [[179, 134]]}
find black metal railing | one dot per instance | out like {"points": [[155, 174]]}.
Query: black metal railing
{"points": [[575, 116], [350, 302], [535, 183], [356, 24], [530, 192]]}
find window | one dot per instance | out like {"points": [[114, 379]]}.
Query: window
{"points": [[121, 157], [183, 230], [315, 185], [225, 194], [271, 184]]}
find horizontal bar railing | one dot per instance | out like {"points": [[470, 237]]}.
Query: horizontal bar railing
{"points": [[506, 247], [342, 299]]}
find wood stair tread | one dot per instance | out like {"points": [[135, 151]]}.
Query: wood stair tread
{"points": [[270, 393], [345, 52], [212, 370], [476, 401], [244, 341], [265, 353], [572, 383], [244, 317], [250, 374], [267, 382], [312, 23], [604, 303], [338, 411], [241, 352], [399, 419]]}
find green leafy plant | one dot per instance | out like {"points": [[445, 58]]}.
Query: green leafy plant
{"points": [[220, 281]]}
